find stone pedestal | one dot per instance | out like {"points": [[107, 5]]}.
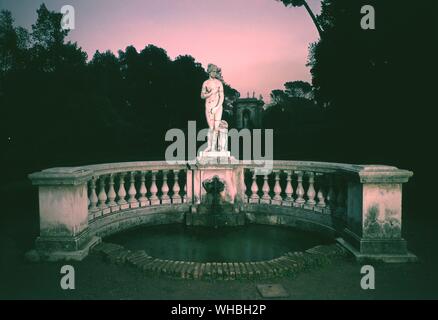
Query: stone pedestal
{"points": [[231, 198], [374, 215], [214, 156], [63, 209], [231, 174]]}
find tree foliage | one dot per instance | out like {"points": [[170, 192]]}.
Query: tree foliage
{"points": [[367, 78], [60, 109]]}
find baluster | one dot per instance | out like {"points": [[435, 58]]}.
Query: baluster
{"points": [[311, 193], [143, 200], [245, 196], [112, 194], [154, 198], [122, 192], [320, 195], [299, 202], [176, 198], [185, 192], [331, 196], [165, 199], [265, 198], [277, 190], [289, 190], [93, 196], [133, 203], [254, 190], [102, 196]]}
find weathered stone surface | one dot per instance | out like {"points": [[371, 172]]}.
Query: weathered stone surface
{"points": [[243, 270], [288, 268], [197, 271], [220, 271], [118, 256], [144, 265], [214, 270], [249, 270], [267, 270], [185, 269], [370, 220], [237, 270], [270, 291], [165, 267], [173, 268], [226, 271], [208, 271], [278, 268], [257, 271], [191, 268], [328, 250], [288, 264], [232, 271]]}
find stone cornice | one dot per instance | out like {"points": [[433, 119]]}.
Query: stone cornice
{"points": [[61, 176]]}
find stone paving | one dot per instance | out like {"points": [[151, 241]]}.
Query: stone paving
{"points": [[289, 264]]}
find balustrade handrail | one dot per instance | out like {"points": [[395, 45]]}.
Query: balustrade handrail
{"points": [[367, 173], [327, 167], [108, 168]]}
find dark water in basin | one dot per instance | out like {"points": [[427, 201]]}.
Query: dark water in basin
{"points": [[246, 243]]}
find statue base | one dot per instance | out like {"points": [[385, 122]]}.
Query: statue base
{"points": [[214, 154], [215, 157], [229, 172]]}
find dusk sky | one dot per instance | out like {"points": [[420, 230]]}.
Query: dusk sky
{"points": [[259, 44]]}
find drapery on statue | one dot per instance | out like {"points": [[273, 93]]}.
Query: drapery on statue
{"points": [[213, 93]]}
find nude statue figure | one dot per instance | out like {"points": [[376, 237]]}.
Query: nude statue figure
{"points": [[213, 93]]}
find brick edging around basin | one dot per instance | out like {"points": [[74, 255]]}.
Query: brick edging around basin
{"points": [[288, 264]]}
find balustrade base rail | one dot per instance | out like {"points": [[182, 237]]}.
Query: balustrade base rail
{"points": [[402, 257]]}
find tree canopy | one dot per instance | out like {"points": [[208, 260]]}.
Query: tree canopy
{"points": [[64, 110]]}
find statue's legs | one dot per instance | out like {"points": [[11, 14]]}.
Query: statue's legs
{"points": [[217, 121], [217, 118], [213, 121], [214, 142], [210, 122], [209, 140]]}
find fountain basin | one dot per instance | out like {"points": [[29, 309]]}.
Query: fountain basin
{"points": [[205, 244]]}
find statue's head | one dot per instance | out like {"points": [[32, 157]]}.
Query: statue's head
{"points": [[214, 71]]}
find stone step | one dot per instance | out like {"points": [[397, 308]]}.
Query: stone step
{"points": [[288, 264]]}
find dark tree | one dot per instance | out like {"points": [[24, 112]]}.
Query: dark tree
{"points": [[303, 3], [63, 110], [298, 89]]}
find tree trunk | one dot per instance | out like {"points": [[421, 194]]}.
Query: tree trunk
{"points": [[320, 31]]}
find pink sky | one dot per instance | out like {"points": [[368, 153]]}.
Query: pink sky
{"points": [[259, 44]]}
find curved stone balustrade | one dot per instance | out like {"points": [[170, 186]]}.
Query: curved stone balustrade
{"points": [[122, 186], [359, 204]]}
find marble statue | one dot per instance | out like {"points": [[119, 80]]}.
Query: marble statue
{"points": [[223, 136], [213, 93]]}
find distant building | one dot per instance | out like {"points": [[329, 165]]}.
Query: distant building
{"points": [[248, 112]]}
